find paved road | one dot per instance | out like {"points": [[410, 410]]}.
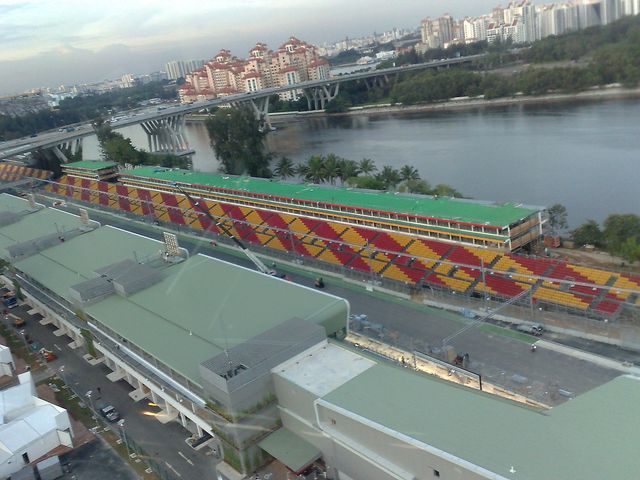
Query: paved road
{"points": [[95, 461], [161, 442], [502, 359]]}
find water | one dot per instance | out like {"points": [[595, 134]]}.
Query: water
{"points": [[584, 156]]}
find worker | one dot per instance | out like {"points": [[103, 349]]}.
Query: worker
{"points": [[319, 282]]}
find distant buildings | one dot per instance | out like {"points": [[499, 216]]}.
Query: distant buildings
{"points": [[177, 69], [523, 22], [293, 62]]}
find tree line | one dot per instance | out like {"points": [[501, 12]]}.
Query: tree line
{"points": [[81, 109], [116, 148], [332, 169], [238, 142], [619, 235]]}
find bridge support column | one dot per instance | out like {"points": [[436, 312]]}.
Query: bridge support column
{"points": [[321, 95], [261, 111], [166, 134]]}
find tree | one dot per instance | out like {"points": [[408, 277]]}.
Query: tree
{"points": [[285, 168], [557, 217], [332, 168], [588, 233], [238, 142], [389, 176], [315, 169], [348, 169], [368, 182], [302, 169], [444, 190], [630, 249], [416, 186], [367, 166], [407, 172], [618, 228]]}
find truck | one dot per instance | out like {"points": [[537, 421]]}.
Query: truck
{"points": [[536, 330]]}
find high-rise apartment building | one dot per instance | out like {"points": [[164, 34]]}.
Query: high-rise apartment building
{"points": [[293, 62]]}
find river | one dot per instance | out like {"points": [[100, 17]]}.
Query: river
{"points": [[585, 156]]}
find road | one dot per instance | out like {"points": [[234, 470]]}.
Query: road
{"points": [[163, 443], [503, 359]]}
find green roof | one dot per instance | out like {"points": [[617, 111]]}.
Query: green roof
{"points": [[588, 438], [205, 305], [295, 452], [445, 208], [74, 261], [31, 225], [199, 308], [90, 164]]}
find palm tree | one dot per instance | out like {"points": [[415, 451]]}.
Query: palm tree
{"points": [[331, 168], [302, 169], [315, 169], [367, 166], [285, 168], [348, 169], [389, 176], [407, 172]]}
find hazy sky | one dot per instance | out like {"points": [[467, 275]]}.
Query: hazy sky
{"points": [[46, 43]]}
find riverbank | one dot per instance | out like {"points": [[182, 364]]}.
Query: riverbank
{"points": [[601, 94]]}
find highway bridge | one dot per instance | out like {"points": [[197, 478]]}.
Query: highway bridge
{"points": [[165, 125]]}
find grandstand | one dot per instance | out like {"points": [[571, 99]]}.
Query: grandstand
{"points": [[91, 169], [408, 260], [504, 226]]}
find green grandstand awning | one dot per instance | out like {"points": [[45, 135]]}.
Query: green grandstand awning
{"points": [[290, 449]]}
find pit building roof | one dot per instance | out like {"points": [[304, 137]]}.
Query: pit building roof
{"points": [[434, 207], [590, 438], [200, 307]]}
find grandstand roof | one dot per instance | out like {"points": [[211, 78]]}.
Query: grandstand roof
{"points": [[90, 164], [503, 437], [435, 207]]}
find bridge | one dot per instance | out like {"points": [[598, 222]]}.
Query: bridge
{"points": [[165, 126]]}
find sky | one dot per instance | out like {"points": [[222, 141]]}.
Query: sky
{"points": [[49, 43]]}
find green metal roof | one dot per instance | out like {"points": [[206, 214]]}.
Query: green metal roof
{"points": [[295, 452], [445, 208], [205, 305], [589, 438], [90, 164], [72, 262], [31, 225]]}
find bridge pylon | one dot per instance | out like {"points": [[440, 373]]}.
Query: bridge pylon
{"points": [[318, 97], [63, 150], [166, 135]]}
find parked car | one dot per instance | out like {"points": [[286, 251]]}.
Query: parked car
{"points": [[109, 412]]}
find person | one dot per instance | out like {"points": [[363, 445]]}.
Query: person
{"points": [[533, 347], [319, 282]]}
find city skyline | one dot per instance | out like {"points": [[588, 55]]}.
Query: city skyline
{"points": [[40, 44]]}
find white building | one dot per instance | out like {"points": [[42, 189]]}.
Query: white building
{"points": [[7, 366], [29, 426]]}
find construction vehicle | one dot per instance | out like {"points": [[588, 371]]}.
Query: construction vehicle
{"points": [[220, 224], [15, 320], [48, 355]]}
